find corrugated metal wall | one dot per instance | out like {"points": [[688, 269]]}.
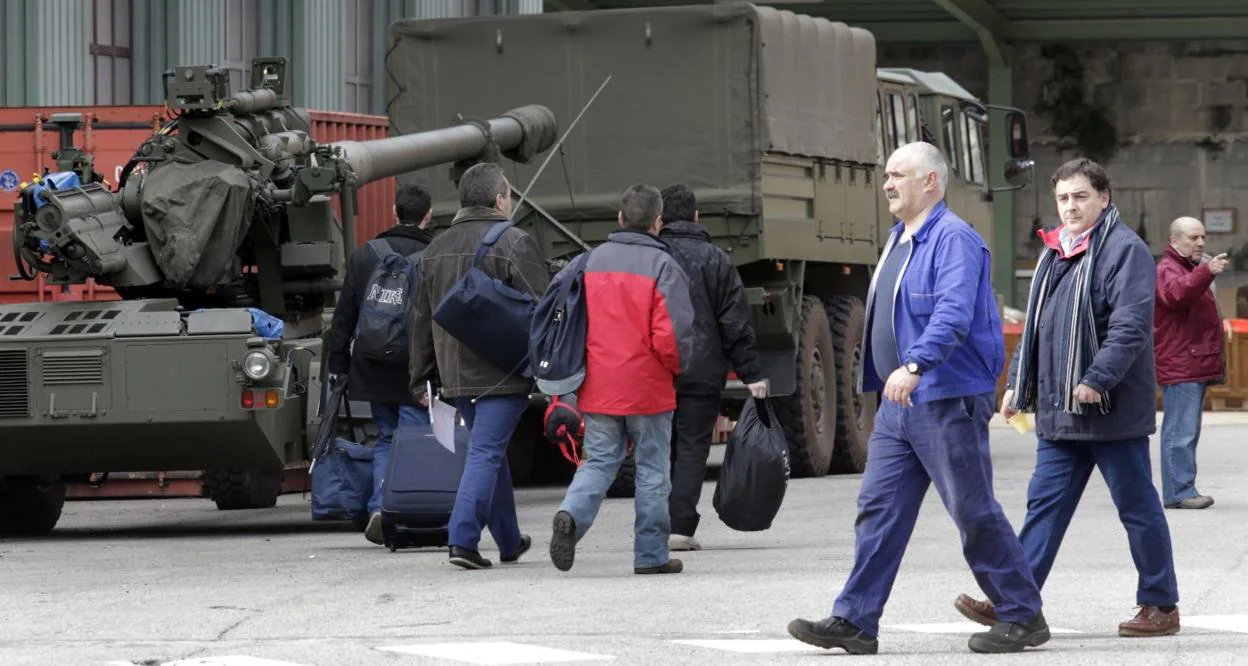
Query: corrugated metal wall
{"points": [[46, 59]]}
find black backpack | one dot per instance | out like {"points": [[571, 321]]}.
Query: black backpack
{"points": [[381, 329], [557, 337], [487, 315]]}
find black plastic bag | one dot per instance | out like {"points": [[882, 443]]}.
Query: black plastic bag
{"points": [[755, 472]]}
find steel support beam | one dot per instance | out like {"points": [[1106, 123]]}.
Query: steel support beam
{"points": [[992, 29]]}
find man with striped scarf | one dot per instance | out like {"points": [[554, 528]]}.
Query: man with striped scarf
{"points": [[1085, 367]]}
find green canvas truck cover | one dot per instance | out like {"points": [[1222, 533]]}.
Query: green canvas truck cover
{"points": [[697, 95]]}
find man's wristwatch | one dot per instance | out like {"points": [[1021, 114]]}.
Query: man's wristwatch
{"points": [[912, 368]]}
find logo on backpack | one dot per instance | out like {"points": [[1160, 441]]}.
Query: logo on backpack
{"points": [[381, 330]]}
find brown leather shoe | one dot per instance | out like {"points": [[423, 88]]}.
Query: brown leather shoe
{"points": [[1150, 621], [976, 610]]}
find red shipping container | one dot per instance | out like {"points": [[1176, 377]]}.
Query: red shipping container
{"points": [[111, 134]]}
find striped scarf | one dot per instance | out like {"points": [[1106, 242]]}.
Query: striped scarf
{"points": [[1082, 343]]}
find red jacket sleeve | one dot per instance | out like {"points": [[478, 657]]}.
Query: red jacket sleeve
{"points": [[1177, 290]]}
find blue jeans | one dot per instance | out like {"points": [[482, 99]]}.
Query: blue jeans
{"points": [[606, 438], [1184, 405], [485, 496], [942, 443], [388, 417], [1062, 472]]}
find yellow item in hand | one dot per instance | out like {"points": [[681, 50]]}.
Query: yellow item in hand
{"points": [[1021, 423]]}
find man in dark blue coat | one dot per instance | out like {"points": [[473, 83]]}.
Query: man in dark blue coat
{"points": [[1085, 366], [934, 345]]}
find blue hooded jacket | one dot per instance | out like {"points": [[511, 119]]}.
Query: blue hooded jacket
{"points": [[945, 317]]}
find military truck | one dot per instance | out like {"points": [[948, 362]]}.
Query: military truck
{"points": [[223, 242], [781, 123]]}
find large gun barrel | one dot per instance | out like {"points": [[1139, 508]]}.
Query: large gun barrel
{"points": [[518, 134]]}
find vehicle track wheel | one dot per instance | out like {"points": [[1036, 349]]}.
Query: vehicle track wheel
{"points": [[809, 415], [855, 413]]}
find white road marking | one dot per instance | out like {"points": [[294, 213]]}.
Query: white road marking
{"points": [[1234, 623], [495, 653], [958, 628], [752, 645], [738, 631], [233, 660]]}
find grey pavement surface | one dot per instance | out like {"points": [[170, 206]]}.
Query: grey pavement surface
{"points": [[157, 582]]}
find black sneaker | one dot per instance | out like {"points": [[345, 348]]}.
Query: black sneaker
{"points": [[563, 541], [526, 542], [1011, 636], [834, 632], [468, 559], [671, 566]]}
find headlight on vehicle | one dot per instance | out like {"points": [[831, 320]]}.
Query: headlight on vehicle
{"points": [[259, 364]]}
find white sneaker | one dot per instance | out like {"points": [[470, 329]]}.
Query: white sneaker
{"points": [[373, 531], [682, 542]]}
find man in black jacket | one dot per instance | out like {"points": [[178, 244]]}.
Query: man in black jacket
{"points": [[384, 385], [723, 340]]}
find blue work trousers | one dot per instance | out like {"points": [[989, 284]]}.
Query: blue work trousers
{"points": [[485, 496], [1184, 405], [1062, 472], [942, 443], [388, 417]]}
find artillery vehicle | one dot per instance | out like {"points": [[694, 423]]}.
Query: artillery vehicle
{"points": [[223, 242], [781, 123]]}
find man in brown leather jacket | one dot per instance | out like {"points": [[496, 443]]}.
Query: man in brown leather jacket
{"points": [[491, 399]]}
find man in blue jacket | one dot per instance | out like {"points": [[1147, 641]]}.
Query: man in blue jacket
{"points": [[934, 345]]}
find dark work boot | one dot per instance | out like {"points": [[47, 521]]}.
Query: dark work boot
{"points": [[563, 541], [468, 559], [672, 566], [1011, 636], [526, 542], [834, 632]]}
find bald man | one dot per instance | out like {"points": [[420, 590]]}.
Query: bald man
{"points": [[1187, 341], [934, 346]]}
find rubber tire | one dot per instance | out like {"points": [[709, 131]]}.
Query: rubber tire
{"points": [[625, 483], [522, 449], [30, 506], [241, 489], [855, 414], [810, 428]]}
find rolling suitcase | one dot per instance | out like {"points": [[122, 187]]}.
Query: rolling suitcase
{"points": [[418, 491]]}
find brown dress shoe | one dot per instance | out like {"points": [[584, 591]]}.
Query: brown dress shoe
{"points": [[1150, 621], [976, 610]]}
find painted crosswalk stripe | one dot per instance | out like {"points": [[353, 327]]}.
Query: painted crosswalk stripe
{"points": [[495, 653], [752, 645], [232, 660], [1233, 623], [958, 628]]}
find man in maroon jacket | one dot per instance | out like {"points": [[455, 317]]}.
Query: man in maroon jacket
{"points": [[1187, 334], [638, 339]]}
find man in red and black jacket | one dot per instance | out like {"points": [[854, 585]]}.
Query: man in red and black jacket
{"points": [[1187, 336], [638, 340]]}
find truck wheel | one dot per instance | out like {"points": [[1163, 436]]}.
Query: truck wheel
{"points": [[855, 413], [522, 450], [235, 489], [30, 506], [625, 484], [809, 415]]}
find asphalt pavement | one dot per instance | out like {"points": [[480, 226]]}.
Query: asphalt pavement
{"points": [[161, 582]]}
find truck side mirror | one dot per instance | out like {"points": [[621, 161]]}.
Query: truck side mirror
{"points": [[1019, 165]]}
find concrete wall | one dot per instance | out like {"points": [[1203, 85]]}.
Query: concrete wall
{"points": [[1169, 120]]}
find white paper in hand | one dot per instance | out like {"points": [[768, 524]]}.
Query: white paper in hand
{"points": [[444, 417]]}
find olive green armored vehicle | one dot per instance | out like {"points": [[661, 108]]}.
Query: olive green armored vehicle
{"points": [[781, 123], [225, 247]]}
